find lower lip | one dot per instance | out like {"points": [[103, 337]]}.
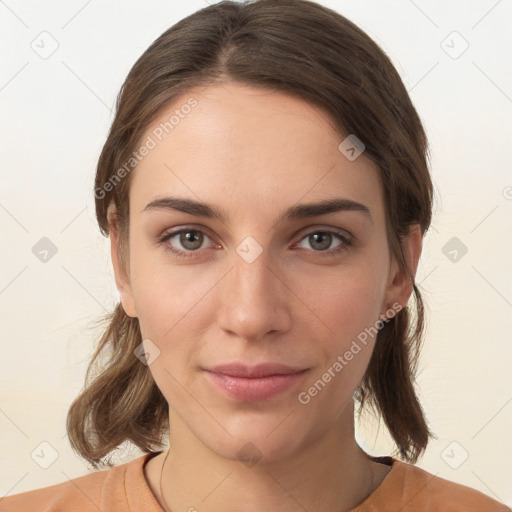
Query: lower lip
{"points": [[254, 389]]}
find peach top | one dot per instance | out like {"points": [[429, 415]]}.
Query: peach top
{"points": [[123, 488]]}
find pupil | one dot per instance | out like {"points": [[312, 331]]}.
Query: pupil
{"points": [[318, 238], [190, 237]]}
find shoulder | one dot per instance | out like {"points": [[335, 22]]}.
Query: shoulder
{"points": [[422, 490], [82, 493], [85, 493]]}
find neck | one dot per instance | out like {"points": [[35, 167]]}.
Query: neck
{"points": [[331, 474]]}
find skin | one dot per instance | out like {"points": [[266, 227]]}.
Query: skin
{"points": [[255, 152]]}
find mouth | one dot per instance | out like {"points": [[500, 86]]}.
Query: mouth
{"points": [[254, 383]]}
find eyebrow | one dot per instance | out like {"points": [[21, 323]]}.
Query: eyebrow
{"points": [[299, 211]]}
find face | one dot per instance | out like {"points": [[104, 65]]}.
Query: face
{"points": [[252, 285]]}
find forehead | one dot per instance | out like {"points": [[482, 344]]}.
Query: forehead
{"points": [[251, 146]]}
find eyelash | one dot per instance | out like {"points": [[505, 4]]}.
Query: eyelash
{"points": [[188, 254]]}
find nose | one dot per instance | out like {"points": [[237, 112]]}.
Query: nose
{"points": [[254, 299]]}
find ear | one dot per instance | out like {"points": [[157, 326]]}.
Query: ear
{"points": [[400, 286], [121, 273]]}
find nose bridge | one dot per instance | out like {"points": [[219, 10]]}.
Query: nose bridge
{"points": [[251, 275], [252, 293]]}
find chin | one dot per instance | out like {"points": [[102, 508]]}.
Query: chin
{"points": [[256, 442]]}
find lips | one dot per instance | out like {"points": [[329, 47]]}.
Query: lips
{"points": [[260, 370], [254, 383]]}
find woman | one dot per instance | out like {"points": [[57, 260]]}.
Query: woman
{"points": [[266, 190]]}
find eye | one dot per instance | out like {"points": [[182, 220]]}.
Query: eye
{"points": [[188, 240], [321, 241], [185, 242]]}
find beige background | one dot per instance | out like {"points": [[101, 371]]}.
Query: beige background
{"points": [[55, 116]]}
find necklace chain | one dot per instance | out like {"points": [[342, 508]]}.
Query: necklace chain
{"points": [[167, 509]]}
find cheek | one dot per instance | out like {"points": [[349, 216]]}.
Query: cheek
{"points": [[169, 300], [350, 303], [159, 290], [164, 309], [351, 311]]}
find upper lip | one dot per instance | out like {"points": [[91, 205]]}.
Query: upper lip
{"points": [[259, 370]]}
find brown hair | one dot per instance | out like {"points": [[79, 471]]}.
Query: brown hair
{"points": [[303, 49]]}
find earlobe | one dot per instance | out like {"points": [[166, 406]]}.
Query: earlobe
{"points": [[401, 285], [120, 272]]}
